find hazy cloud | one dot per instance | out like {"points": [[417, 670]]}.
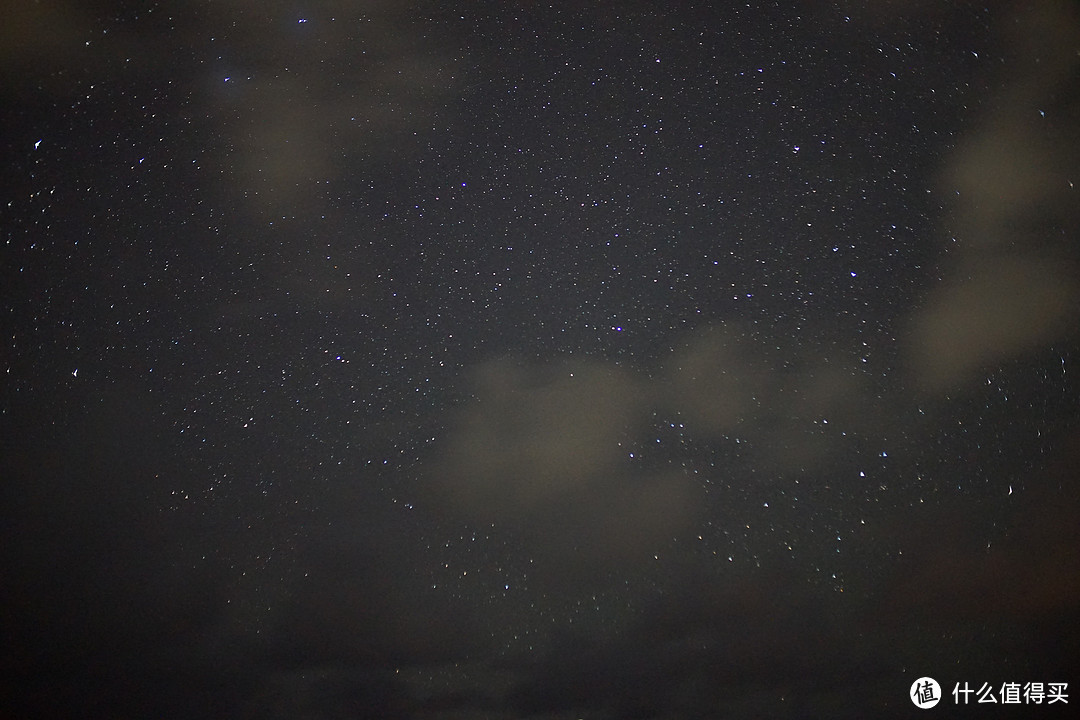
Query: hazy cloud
{"points": [[548, 449], [1013, 285]]}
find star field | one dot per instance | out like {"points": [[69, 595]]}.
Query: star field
{"points": [[548, 360]]}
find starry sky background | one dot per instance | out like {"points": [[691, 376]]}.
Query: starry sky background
{"points": [[536, 360]]}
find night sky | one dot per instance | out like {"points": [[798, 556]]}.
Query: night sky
{"points": [[537, 360]]}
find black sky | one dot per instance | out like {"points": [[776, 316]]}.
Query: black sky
{"points": [[537, 360]]}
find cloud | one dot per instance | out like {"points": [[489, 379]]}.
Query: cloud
{"points": [[546, 449], [588, 460], [715, 380], [303, 101], [1012, 286], [1002, 309]]}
